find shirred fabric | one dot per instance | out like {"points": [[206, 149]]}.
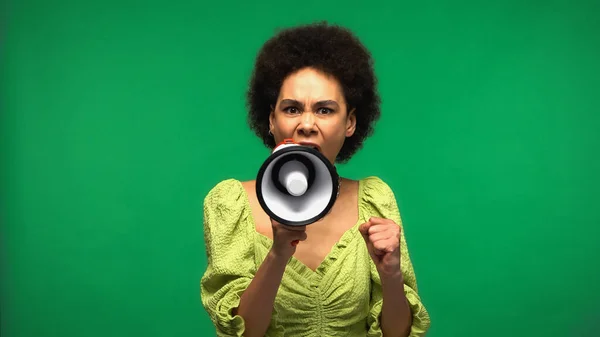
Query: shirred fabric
{"points": [[342, 297]]}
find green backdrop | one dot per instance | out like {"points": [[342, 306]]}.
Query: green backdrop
{"points": [[117, 117]]}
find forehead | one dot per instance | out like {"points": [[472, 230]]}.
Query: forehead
{"points": [[309, 84]]}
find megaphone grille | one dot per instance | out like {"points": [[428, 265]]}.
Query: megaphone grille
{"points": [[315, 203]]}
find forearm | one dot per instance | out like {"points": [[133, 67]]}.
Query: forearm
{"points": [[256, 303], [396, 317]]}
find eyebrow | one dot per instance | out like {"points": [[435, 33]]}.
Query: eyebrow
{"points": [[319, 103]]}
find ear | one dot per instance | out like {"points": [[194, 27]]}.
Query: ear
{"points": [[271, 117], [351, 123]]}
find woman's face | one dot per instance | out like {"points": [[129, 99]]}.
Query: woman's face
{"points": [[311, 109]]}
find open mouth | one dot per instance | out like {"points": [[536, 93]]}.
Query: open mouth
{"points": [[309, 144]]}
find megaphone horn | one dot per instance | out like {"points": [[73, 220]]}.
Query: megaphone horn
{"points": [[297, 185]]}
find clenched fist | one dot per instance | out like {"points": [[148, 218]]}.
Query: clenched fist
{"points": [[382, 237]]}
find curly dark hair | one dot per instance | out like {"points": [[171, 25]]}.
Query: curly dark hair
{"points": [[331, 49]]}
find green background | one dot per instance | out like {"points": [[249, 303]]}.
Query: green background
{"points": [[117, 117]]}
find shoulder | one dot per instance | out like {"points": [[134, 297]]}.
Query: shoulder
{"points": [[225, 207], [375, 187], [227, 195], [378, 197], [223, 189], [230, 194]]}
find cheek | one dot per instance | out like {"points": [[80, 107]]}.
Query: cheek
{"points": [[286, 127], [334, 130], [334, 139]]}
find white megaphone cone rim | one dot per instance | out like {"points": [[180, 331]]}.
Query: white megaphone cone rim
{"points": [[301, 210]]}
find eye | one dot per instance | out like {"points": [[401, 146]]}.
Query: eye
{"points": [[324, 111], [291, 109]]}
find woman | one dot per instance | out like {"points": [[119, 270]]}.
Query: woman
{"points": [[350, 274]]}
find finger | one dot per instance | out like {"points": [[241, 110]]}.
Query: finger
{"points": [[387, 246], [297, 241], [364, 228], [293, 228], [296, 236], [381, 245], [378, 228], [380, 221], [376, 251], [379, 236]]}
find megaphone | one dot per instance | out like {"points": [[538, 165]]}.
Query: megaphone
{"points": [[296, 185]]}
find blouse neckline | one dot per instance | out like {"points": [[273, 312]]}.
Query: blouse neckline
{"points": [[333, 254]]}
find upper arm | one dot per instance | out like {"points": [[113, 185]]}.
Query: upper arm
{"points": [[230, 256], [384, 203]]}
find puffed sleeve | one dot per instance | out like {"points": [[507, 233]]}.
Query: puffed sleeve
{"points": [[230, 256], [382, 203]]}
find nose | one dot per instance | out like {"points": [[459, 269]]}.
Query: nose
{"points": [[307, 124]]}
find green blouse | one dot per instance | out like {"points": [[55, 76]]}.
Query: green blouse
{"points": [[343, 297]]}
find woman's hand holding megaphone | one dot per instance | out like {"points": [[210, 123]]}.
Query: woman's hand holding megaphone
{"points": [[286, 238]]}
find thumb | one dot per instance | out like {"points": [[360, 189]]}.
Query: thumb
{"points": [[364, 230]]}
